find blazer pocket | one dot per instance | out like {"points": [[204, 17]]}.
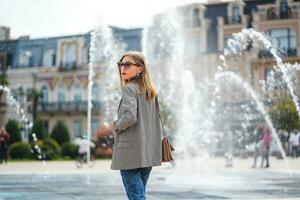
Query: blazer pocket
{"points": [[124, 145]]}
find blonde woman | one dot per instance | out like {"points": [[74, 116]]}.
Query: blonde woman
{"points": [[137, 144]]}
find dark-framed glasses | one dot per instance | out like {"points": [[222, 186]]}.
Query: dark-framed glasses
{"points": [[126, 65]]}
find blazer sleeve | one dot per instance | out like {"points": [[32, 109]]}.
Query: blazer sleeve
{"points": [[129, 109]]}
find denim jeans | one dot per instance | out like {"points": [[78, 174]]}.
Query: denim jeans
{"points": [[134, 181]]}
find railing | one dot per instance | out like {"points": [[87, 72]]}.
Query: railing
{"points": [[291, 52], [73, 106], [232, 20], [271, 14], [68, 66]]}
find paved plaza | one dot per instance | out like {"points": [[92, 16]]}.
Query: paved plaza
{"points": [[204, 179]]}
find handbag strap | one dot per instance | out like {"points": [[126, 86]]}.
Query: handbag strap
{"points": [[159, 114]]}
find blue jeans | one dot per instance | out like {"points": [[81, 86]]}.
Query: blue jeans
{"points": [[134, 181]]}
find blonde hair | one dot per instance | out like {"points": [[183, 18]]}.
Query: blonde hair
{"points": [[144, 82]]}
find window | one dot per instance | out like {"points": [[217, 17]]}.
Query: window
{"points": [[235, 14], [284, 40], [77, 128], [44, 94], [284, 9], [24, 59], [196, 18], [61, 96], [49, 58], [77, 92], [70, 56]]}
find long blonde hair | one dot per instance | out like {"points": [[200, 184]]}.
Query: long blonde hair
{"points": [[144, 82]]}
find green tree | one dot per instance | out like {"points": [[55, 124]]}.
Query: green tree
{"points": [[60, 133], [39, 130], [284, 115], [12, 127]]}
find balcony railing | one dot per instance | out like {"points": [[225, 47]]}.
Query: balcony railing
{"points": [[291, 52], [271, 14], [73, 106], [232, 20], [68, 66]]}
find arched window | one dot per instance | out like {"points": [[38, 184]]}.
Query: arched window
{"points": [[284, 40], [49, 58], [44, 94], [24, 59]]}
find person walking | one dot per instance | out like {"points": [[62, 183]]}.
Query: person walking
{"points": [[284, 139], [258, 133], [4, 138], [137, 131], [266, 142], [294, 141]]}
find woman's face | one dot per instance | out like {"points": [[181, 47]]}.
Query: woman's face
{"points": [[128, 68]]}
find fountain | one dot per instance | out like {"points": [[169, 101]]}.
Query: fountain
{"points": [[24, 120]]}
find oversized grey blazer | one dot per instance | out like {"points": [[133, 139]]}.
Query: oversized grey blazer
{"points": [[137, 131]]}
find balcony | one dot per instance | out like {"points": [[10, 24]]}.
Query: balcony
{"points": [[68, 66], [66, 107], [232, 20], [273, 14], [291, 52]]}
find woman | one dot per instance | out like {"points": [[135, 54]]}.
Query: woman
{"points": [[137, 144], [266, 142]]}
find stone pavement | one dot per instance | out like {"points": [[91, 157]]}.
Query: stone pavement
{"points": [[201, 179]]}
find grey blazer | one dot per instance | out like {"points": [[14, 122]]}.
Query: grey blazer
{"points": [[137, 131]]}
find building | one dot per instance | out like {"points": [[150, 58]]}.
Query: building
{"points": [[56, 68]]}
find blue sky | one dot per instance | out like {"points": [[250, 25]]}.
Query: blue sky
{"points": [[42, 18]]}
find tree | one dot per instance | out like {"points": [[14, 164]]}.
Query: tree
{"points": [[39, 130], [12, 127], [285, 116], [34, 96], [60, 133]]}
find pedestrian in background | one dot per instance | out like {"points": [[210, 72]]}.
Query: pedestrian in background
{"points": [[4, 138], [266, 142], [294, 141]]}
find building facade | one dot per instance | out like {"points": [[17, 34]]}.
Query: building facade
{"points": [[57, 67], [57, 70]]}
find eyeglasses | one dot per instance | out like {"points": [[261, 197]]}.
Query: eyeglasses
{"points": [[126, 65]]}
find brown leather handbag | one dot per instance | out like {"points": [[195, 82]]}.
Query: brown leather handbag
{"points": [[167, 148]]}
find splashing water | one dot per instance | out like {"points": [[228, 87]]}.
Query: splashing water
{"points": [[241, 41], [24, 120]]}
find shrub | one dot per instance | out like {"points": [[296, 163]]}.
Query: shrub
{"points": [[60, 133], [39, 130], [69, 150], [12, 127], [20, 150], [49, 149]]}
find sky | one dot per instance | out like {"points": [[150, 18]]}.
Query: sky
{"points": [[48, 18]]}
